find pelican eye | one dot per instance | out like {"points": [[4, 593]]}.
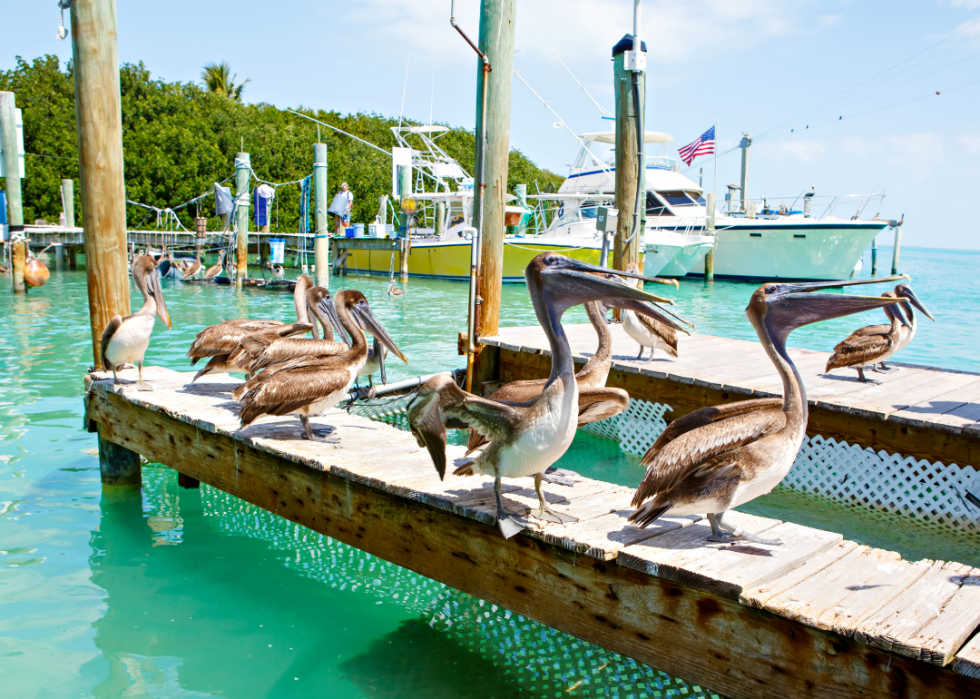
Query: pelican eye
{"points": [[551, 260], [771, 289]]}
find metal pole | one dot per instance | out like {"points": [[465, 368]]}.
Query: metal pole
{"points": [[98, 120], [709, 258], [898, 246], [498, 19], [243, 176], [321, 230], [11, 165], [744, 145]]}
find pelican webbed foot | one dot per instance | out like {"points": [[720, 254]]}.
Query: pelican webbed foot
{"points": [[509, 526], [142, 386], [724, 533], [882, 368], [544, 512], [864, 379], [312, 436]]}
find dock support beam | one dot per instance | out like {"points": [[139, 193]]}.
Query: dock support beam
{"points": [[243, 167], [98, 119], [119, 466], [320, 217], [897, 247], [11, 164], [630, 168], [498, 20], [709, 258]]}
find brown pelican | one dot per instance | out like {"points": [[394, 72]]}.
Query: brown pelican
{"points": [[312, 385], [193, 268], [124, 340], [869, 349], [215, 270], [649, 331], [526, 438], [905, 292], [593, 375], [222, 342], [718, 458], [278, 271]]}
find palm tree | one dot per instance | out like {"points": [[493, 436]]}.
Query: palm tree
{"points": [[218, 78]]}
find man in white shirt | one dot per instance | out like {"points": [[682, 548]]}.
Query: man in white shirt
{"points": [[340, 208]]}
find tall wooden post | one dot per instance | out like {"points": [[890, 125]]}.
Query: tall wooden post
{"points": [[98, 120], [498, 20], [440, 218], [11, 166], [321, 219], [630, 176], [898, 246], [521, 192], [68, 201], [709, 258], [404, 221], [200, 235], [242, 178], [744, 145]]}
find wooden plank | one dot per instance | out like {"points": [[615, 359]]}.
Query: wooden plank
{"points": [[760, 595], [897, 626], [967, 661], [934, 409], [707, 639]]}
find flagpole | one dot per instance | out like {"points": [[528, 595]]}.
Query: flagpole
{"points": [[716, 160]]}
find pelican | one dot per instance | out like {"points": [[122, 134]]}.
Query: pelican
{"points": [[375, 363], [908, 331], [215, 270], [866, 349], [649, 331], [393, 290], [192, 269], [278, 272], [593, 375], [526, 438], [312, 385], [124, 340], [222, 342], [718, 458]]}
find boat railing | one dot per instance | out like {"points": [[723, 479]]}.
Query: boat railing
{"points": [[807, 204]]}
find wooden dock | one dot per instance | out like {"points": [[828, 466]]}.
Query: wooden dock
{"points": [[818, 616], [919, 411]]}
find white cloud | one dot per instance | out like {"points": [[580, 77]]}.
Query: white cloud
{"points": [[829, 20], [970, 143], [917, 150], [968, 4], [807, 151]]}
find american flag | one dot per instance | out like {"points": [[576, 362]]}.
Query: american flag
{"points": [[703, 145]]}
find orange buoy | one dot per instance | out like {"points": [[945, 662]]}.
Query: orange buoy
{"points": [[35, 273]]}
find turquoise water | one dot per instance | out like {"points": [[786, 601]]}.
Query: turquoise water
{"points": [[176, 593]]}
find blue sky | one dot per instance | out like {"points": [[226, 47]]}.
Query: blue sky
{"points": [[761, 66]]}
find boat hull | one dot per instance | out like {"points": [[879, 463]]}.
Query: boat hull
{"points": [[451, 260], [796, 251]]}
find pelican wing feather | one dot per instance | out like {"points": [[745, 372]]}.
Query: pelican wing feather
{"points": [[286, 391], [110, 329], [858, 351]]}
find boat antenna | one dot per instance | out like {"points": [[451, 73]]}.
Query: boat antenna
{"points": [[605, 112], [404, 89]]}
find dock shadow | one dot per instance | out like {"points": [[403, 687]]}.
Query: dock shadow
{"points": [[208, 390]]}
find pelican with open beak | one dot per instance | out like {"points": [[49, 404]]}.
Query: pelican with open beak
{"points": [[527, 438], [715, 459], [124, 340]]}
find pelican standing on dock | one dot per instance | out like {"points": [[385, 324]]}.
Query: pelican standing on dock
{"points": [[525, 438], [310, 386], [215, 270], [715, 459], [593, 375], [649, 331], [903, 291], [124, 340], [868, 349]]}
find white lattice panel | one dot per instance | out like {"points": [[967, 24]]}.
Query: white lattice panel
{"points": [[930, 491], [636, 429]]}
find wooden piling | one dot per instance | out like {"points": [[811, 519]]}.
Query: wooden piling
{"points": [[11, 164], [440, 218], [498, 19], [243, 176], [897, 247], [709, 258], [98, 120], [404, 221], [200, 235], [629, 176], [68, 201], [321, 219]]}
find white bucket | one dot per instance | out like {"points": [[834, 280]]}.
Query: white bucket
{"points": [[358, 230], [277, 248]]}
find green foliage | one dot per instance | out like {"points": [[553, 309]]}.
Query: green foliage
{"points": [[217, 78], [179, 139]]}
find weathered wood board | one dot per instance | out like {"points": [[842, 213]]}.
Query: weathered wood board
{"points": [[706, 612], [920, 411]]}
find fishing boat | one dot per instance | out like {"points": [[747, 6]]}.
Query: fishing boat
{"points": [[761, 242]]}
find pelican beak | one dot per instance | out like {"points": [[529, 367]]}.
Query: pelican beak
{"points": [[294, 329], [370, 324], [791, 306], [158, 297], [906, 292], [896, 312], [327, 314], [654, 311], [574, 282], [381, 364]]}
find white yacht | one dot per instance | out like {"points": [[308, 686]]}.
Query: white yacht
{"points": [[761, 243]]}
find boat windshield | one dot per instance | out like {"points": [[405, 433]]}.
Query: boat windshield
{"points": [[680, 198], [656, 206]]}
